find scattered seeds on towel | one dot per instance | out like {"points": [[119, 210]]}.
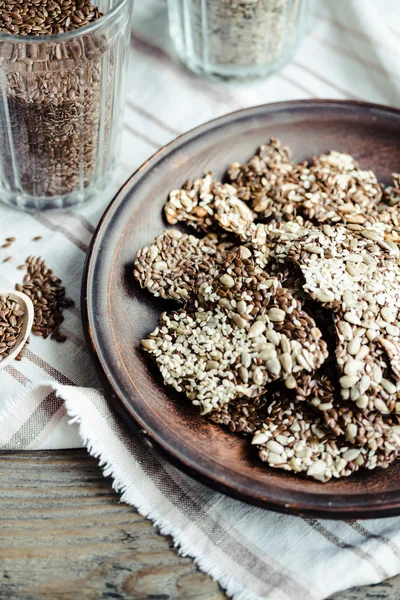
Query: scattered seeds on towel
{"points": [[48, 297]]}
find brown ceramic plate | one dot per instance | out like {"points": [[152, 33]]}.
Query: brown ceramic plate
{"points": [[117, 314]]}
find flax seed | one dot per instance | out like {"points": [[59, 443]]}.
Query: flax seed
{"points": [[47, 294]]}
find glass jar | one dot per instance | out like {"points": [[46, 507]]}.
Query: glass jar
{"points": [[61, 101], [236, 38]]}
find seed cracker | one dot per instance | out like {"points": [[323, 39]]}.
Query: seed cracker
{"points": [[293, 439], [257, 331], [206, 204], [265, 181], [357, 275], [331, 189], [363, 428], [171, 265]]}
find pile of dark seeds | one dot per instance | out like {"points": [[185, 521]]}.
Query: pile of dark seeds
{"points": [[11, 319], [45, 17], [48, 297], [54, 95]]}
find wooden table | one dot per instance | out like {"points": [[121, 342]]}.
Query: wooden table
{"points": [[65, 536]]}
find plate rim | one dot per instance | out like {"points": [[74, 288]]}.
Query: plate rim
{"points": [[127, 412]]}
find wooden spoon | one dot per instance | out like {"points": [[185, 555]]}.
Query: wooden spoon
{"points": [[26, 305]]}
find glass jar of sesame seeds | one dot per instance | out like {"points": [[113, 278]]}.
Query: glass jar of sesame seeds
{"points": [[62, 66], [236, 39]]}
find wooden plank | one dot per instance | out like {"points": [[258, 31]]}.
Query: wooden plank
{"points": [[64, 535]]}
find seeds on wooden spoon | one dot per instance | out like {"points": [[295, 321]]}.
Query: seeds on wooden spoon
{"points": [[11, 320]]}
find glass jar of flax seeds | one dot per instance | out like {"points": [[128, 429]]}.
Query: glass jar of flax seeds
{"points": [[236, 39], [62, 71]]}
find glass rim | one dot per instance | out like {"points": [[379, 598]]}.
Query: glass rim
{"points": [[67, 35]]}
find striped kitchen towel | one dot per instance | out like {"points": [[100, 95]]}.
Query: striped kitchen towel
{"points": [[51, 399]]}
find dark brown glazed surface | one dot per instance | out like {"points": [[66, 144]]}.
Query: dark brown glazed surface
{"points": [[117, 314]]}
